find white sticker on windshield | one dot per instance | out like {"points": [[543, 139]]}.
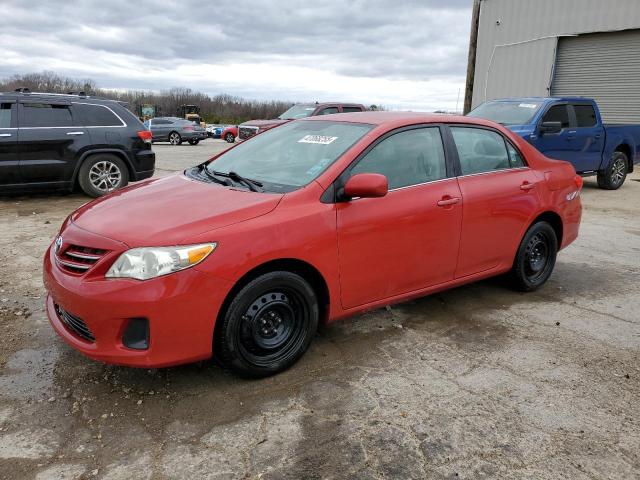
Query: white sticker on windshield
{"points": [[528, 105], [321, 139]]}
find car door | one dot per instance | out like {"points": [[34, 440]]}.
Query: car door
{"points": [[9, 163], [589, 137], [560, 145], [407, 240], [49, 141], [499, 194]]}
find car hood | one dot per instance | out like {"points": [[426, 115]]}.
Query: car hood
{"points": [[264, 124], [170, 211]]}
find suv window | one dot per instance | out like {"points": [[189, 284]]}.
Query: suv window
{"points": [[46, 115], [585, 115], [5, 115], [407, 158], [95, 116], [480, 150], [328, 111], [557, 113], [351, 109]]}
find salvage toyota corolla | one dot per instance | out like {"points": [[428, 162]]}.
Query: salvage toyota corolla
{"points": [[241, 257]]}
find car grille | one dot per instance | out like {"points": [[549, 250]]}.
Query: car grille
{"points": [[77, 259], [75, 324], [247, 132]]}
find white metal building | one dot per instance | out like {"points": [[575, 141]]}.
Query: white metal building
{"points": [[559, 47]]}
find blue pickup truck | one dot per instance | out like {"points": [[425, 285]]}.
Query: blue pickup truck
{"points": [[571, 129]]}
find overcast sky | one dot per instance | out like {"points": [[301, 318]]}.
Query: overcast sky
{"points": [[402, 54]]}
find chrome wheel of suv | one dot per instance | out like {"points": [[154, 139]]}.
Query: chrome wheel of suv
{"points": [[105, 176]]}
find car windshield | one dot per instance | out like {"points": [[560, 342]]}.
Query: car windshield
{"points": [[507, 113], [292, 155], [297, 111]]}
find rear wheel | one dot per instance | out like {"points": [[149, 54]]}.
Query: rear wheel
{"points": [[175, 138], [230, 138], [536, 257], [268, 325], [101, 174], [615, 174], [194, 142]]}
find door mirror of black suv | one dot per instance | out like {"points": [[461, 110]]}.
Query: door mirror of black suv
{"points": [[550, 127]]}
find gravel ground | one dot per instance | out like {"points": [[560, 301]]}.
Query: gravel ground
{"points": [[477, 382]]}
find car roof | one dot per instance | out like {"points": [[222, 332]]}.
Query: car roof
{"points": [[542, 99], [395, 119]]}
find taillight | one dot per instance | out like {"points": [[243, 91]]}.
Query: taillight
{"points": [[579, 181], [188, 128], [145, 135]]}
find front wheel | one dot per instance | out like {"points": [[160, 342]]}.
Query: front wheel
{"points": [[268, 325], [230, 138], [612, 177], [175, 138], [535, 258]]}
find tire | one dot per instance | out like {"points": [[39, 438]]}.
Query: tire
{"points": [[230, 138], [268, 325], [175, 138], [101, 174], [615, 174], [194, 142], [535, 258]]}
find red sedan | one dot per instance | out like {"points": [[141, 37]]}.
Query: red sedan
{"points": [[243, 256]]}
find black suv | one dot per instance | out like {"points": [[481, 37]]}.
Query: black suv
{"points": [[55, 142]]}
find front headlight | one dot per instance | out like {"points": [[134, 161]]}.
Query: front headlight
{"points": [[149, 262]]}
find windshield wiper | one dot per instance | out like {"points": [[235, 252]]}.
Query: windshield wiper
{"points": [[252, 185], [205, 170]]}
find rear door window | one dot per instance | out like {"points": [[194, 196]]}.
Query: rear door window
{"points": [[46, 115], [351, 109], [480, 150], [5, 115], [585, 115], [557, 113], [95, 116]]}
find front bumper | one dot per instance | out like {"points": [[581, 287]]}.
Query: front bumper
{"points": [[181, 309]]}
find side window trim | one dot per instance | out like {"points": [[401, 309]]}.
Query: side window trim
{"points": [[454, 150]]}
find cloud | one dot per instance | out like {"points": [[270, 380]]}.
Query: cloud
{"points": [[404, 54]]}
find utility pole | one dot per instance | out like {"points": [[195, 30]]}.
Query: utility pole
{"points": [[471, 61]]}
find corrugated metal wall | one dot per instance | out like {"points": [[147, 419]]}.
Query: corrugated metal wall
{"points": [[526, 31], [604, 66]]}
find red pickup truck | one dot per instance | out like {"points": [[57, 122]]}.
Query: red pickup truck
{"points": [[301, 110]]}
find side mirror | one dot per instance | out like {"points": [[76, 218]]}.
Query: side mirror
{"points": [[366, 185], [550, 127]]}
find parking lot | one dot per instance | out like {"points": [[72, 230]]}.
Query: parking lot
{"points": [[476, 382]]}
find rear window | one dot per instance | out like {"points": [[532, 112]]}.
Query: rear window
{"points": [[5, 115], [46, 115], [585, 115], [95, 116]]}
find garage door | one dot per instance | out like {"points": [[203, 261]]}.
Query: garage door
{"points": [[604, 66]]}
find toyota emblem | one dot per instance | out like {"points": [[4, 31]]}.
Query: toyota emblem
{"points": [[58, 243]]}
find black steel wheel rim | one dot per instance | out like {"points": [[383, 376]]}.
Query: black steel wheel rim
{"points": [[273, 327], [537, 256]]}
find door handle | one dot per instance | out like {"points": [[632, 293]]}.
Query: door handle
{"points": [[75, 133], [526, 186], [447, 200], [5, 134]]}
